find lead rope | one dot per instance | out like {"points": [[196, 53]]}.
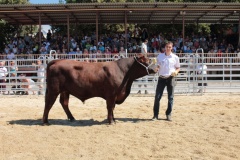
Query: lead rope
{"points": [[143, 64]]}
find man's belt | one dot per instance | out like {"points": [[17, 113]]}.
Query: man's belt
{"points": [[164, 77]]}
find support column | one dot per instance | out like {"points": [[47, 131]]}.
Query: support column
{"points": [[239, 30], [97, 15], [68, 33], [39, 30], [125, 28], [183, 26]]}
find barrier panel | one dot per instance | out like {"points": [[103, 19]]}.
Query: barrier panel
{"points": [[223, 74]]}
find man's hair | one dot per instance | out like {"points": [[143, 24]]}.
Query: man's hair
{"points": [[169, 42]]}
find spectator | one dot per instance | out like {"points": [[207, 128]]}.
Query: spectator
{"points": [[130, 50], [13, 69], [49, 35], [15, 49], [221, 47], [107, 51], [144, 34], [10, 55], [101, 47], [71, 54], [143, 79], [36, 48], [43, 49], [101, 41], [202, 72], [115, 50], [40, 76], [21, 45], [155, 44], [78, 51], [188, 50], [3, 74], [6, 49], [27, 85], [122, 53]]}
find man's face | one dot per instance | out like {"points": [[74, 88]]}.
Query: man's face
{"points": [[168, 48]]}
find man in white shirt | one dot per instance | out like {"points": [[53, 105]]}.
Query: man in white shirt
{"points": [[169, 68], [144, 47]]}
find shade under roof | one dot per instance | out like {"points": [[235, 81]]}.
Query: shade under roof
{"points": [[140, 13]]}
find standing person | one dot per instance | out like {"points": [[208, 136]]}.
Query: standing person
{"points": [[40, 75], [202, 72], [144, 47], [49, 36], [169, 68], [3, 74], [28, 84], [13, 69], [144, 79]]}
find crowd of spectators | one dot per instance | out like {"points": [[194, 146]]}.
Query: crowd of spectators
{"points": [[114, 44]]}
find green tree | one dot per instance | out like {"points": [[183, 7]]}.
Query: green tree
{"points": [[7, 30], [14, 1]]}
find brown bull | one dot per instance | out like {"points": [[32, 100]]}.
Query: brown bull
{"points": [[111, 81]]}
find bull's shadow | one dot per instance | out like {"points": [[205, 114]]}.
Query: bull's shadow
{"points": [[64, 122]]}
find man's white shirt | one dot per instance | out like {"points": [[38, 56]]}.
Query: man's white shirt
{"points": [[168, 64]]}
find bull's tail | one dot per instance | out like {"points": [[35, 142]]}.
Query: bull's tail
{"points": [[46, 92], [47, 70]]}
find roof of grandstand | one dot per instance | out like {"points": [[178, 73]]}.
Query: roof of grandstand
{"points": [[140, 13]]}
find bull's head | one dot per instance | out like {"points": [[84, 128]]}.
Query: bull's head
{"points": [[150, 65]]}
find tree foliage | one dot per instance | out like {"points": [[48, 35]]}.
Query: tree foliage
{"points": [[14, 1]]}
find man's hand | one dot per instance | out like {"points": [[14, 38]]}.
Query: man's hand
{"points": [[174, 74], [154, 60]]}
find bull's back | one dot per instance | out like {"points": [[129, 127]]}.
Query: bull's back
{"points": [[81, 78]]}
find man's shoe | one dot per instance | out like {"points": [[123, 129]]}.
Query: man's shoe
{"points": [[139, 92], [155, 118], [146, 92], [169, 118]]}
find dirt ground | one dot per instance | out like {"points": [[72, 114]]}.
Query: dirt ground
{"points": [[203, 127]]}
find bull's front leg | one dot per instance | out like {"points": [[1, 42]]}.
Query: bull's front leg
{"points": [[110, 108]]}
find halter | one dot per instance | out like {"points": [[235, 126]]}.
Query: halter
{"points": [[143, 64]]}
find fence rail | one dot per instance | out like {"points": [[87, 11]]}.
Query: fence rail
{"points": [[223, 74]]}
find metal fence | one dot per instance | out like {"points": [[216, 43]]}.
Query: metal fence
{"points": [[223, 74]]}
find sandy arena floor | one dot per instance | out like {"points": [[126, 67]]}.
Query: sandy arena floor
{"points": [[203, 127]]}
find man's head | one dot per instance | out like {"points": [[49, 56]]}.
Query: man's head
{"points": [[146, 41], [39, 62], [168, 47]]}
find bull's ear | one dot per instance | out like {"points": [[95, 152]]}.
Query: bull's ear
{"points": [[142, 58], [140, 55]]}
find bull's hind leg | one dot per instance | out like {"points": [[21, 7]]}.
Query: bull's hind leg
{"points": [[110, 108], [50, 99], [64, 100]]}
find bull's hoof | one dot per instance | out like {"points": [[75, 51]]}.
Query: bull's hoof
{"points": [[46, 124], [72, 120], [111, 122]]}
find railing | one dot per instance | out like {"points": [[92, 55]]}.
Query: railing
{"points": [[223, 72]]}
